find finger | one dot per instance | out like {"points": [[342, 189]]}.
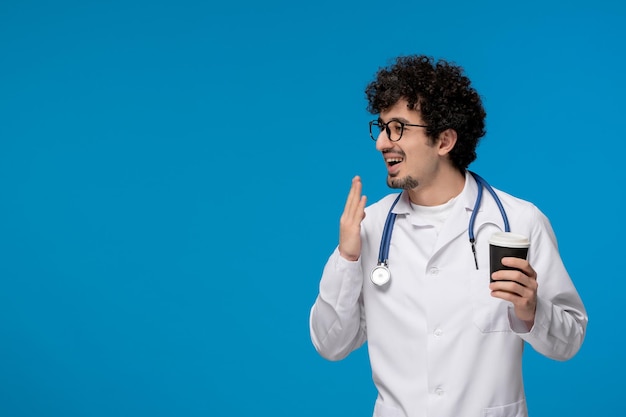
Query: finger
{"points": [[353, 196], [518, 284], [507, 287], [504, 295], [358, 213], [514, 275], [361, 208], [522, 264], [356, 208]]}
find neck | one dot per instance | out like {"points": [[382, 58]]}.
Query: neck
{"points": [[444, 186]]}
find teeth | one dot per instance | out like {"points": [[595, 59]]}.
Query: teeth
{"points": [[391, 160]]}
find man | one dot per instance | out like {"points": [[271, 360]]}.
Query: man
{"points": [[442, 339]]}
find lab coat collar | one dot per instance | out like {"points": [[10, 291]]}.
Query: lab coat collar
{"points": [[466, 199], [458, 218]]}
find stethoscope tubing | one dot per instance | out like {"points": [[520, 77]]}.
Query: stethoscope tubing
{"points": [[383, 254], [385, 242], [483, 183]]}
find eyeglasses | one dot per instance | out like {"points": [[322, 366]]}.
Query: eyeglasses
{"points": [[394, 129]]}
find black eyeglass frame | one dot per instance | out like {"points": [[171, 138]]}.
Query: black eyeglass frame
{"points": [[379, 123]]}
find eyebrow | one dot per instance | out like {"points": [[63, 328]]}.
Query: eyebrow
{"points": [[395, 119]]}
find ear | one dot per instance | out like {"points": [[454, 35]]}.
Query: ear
{"points": [[446, 140]]}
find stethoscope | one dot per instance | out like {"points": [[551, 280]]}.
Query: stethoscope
{"points": [[380, 274]]}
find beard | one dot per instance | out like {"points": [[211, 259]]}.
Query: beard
{"points": [[406, 183]]}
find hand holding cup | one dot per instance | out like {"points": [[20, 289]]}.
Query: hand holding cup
{"points": [[506, 244]]}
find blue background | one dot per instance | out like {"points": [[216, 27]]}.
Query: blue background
{"points": [[172, 175]]}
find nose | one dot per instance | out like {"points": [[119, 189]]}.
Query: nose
{"points": [[383, 142]]}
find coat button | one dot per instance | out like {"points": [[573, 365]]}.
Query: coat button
{"points": [[434, 271], [438, 332]]}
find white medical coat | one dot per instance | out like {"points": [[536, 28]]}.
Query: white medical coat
{"points": [[439, 344]]}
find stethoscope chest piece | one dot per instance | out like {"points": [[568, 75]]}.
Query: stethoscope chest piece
{"points": [[380, 275]]}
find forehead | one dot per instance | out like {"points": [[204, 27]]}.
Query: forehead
{"points": [[401, 111]]}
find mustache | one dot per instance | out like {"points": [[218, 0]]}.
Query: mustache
{"points": [[392, 152]]}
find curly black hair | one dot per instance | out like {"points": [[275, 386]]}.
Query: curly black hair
{"points": [[441, 93]]}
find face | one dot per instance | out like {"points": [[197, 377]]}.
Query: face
{"points": [[413, 160]]}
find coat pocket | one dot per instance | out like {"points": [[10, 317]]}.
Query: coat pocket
{"points": [[382, 410], [489, 314], [517, 409]]}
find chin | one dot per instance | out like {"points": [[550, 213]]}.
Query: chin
{"points": [[406, 183]]}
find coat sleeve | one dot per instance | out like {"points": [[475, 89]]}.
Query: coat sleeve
{"points": [[560, 318], [337, 322]]}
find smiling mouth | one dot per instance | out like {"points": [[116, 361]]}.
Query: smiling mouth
{"points": [[393, 161]]}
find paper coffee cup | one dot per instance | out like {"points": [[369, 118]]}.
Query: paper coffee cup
{"points": [[506, 244]]}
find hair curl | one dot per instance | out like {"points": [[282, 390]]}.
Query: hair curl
{"points": [[441, 93]]}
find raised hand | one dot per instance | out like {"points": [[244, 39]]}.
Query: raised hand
{"points": [[350, 222]]}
